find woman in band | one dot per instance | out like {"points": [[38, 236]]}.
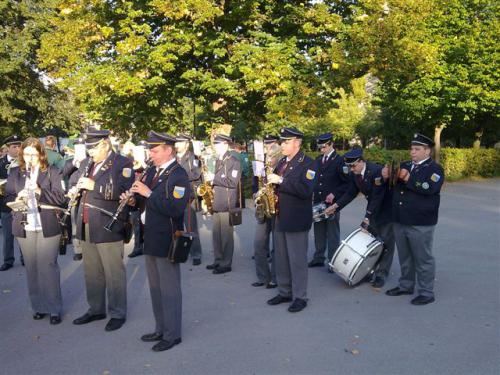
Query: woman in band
{"points": [[37, 187]]}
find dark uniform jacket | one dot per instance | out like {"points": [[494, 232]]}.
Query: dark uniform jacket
{"points": [[192, 166], [52, 193], [226, 183], [164, 208], [4, 170], [113, 178], [417, 201], [332, 177], [295, 193], [376, 191]]}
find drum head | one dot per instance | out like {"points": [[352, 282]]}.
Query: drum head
{"points": [[356, 256]]}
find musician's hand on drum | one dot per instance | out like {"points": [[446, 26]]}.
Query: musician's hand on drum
{"points": [[329, 198], [23, 194], [385, 172], [365, 224], [72, 192], [404, 175], [274, 179], [141, 189], [85, 183], [331, 210]]}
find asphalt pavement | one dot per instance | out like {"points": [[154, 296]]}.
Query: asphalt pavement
{"points": [[229, 329]]}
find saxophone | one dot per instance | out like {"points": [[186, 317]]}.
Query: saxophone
{"points": [[206, 191], [265, 198]]}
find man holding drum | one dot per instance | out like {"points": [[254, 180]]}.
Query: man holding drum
{"points": [[366, 177], [415, 208]]}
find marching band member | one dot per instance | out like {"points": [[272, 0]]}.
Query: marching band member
{"points": [[225, 181], [265, 270], [108, 174], [192, 166], [331, 183], [164, 195], [35, 183], [294, 176], [415, 207], [366, 177], [13, 144]]}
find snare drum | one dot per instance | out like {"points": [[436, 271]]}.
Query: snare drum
{"points": [[356, 256]]}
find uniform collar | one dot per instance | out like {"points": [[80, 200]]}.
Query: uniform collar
{"points": [[167, 164]]}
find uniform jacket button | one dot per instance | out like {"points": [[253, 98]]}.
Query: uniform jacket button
{"points": [[400, 203]]}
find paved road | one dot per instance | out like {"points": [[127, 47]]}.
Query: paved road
{"points": [[229, 329]]}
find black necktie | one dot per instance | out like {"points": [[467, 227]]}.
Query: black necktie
{"points": [[359, 180]]}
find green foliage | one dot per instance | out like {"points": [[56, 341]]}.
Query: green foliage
{"points": [[464, 162]]}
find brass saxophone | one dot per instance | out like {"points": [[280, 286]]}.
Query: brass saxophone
{"points": [[265, 198], [206, 191]]}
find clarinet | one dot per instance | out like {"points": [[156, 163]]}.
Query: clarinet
{"points": [[24, 219], [109, 226], [63, 220]]}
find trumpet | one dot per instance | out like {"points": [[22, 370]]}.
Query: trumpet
{"points": [[109, 226], [393, 169]]}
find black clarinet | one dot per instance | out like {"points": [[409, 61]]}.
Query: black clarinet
{"points": [[109, 226], [63, 219], [24, 219]]}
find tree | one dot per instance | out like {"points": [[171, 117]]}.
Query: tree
{"points": [[29, 104], [132, 64], [436, 59]]}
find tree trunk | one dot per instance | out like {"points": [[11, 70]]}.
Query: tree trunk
{"points": [[437, 140], [477, 138]]}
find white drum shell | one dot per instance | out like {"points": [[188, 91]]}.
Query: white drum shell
{"points": [[356, 256]]}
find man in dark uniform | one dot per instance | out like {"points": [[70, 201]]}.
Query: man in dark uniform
{"points": [[102, 177], [265, 269], [225, 184], [192, 166], [366, 177], [294, 176], [331, 183], [415, 208], [164, 195], [10, 160]]}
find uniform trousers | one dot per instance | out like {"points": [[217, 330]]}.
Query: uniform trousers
{"points": [[291, 262], [265, 274], [191, 225], [105, 274], [386, 234], [414, 244], [136, 223], [222, 239], [326, 237], [8, 238], [166, 295], [42, 272]]}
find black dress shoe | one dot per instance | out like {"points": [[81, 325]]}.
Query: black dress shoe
{"points": [[397, 291], [38, 316], [5, 266], [77, 257], [114, 324], [314, 263], [87, 318], [378, 282], [422, 300], [220, 270], [297, 305], [135, 253], [257, 284], [196, 262], [150, 337], [212, 266], [165, 345], [278, 299], [271, 285], [55, 319]]}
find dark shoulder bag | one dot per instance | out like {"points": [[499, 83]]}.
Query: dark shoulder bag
{"points": [[181, 241]]}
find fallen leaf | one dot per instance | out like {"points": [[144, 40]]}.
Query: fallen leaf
{"points": [[106, 372], [36, 337], [354, 351], [6, 290]]}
